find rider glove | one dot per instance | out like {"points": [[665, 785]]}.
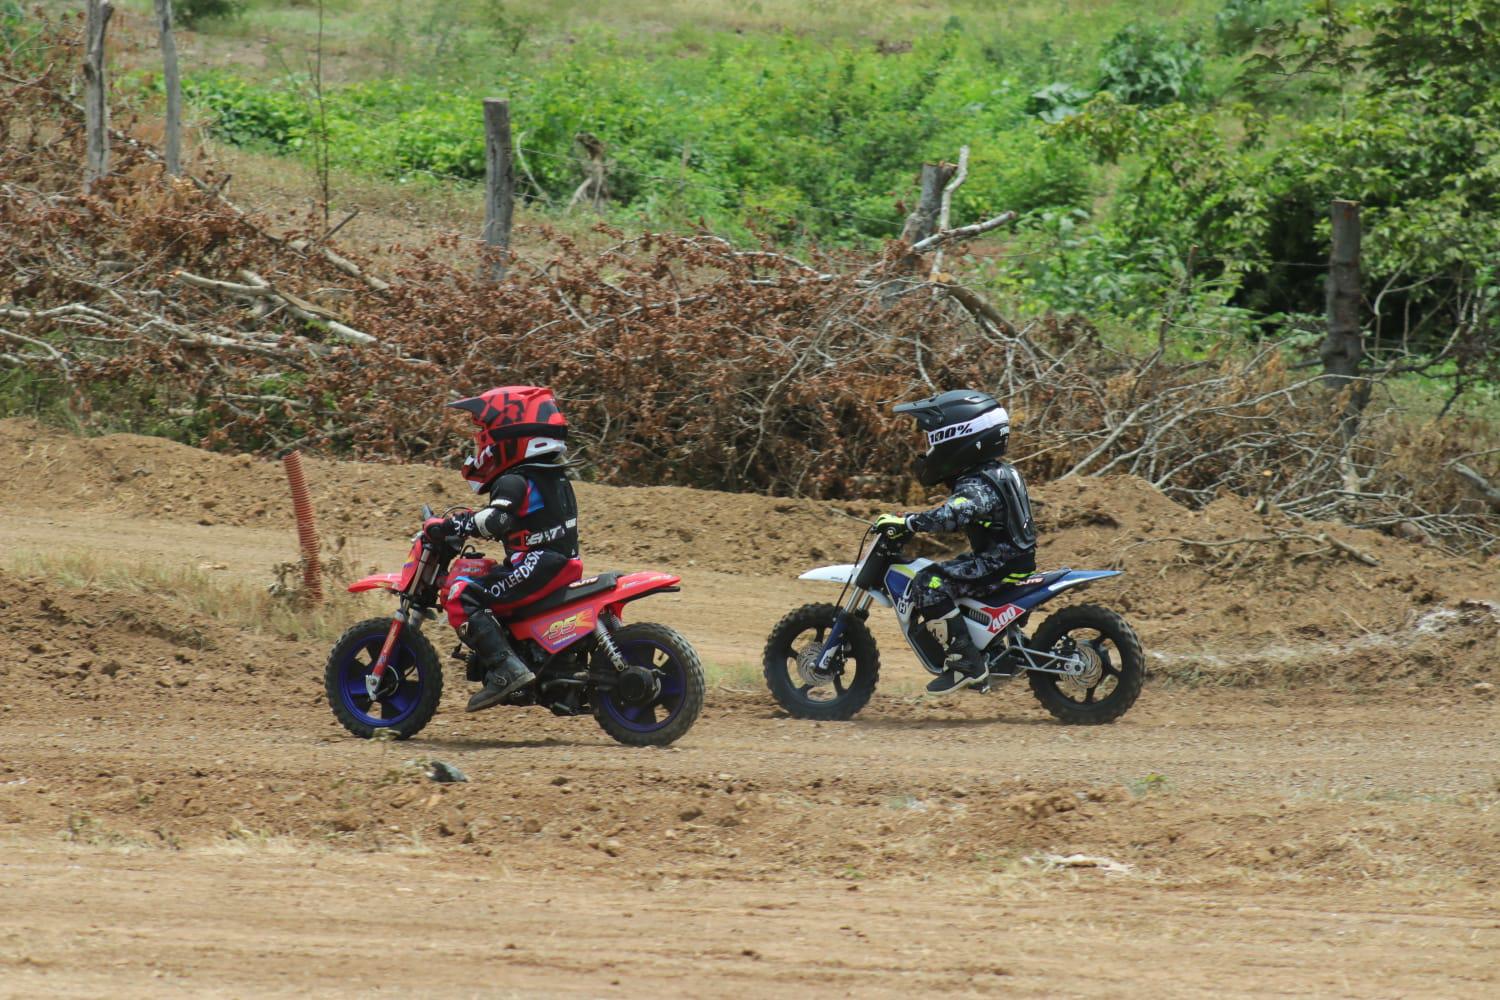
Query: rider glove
{"points": [[442, 529]]}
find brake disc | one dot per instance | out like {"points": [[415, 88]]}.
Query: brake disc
{"points": [[1089, 671], [808, 669]]}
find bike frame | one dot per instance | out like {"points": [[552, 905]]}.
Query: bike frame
{"points": [[885, 578], [425, 575]]}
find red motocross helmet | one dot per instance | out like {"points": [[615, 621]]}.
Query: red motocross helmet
{"points": [[517, 423]]}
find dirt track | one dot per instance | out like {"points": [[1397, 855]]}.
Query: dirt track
{"points": [[181, 815]]}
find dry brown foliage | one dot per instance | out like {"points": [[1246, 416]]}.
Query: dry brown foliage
{"points": [[679, 358]]}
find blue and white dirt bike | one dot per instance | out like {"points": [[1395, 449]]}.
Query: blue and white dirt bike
{"points": [[1084, 662]]}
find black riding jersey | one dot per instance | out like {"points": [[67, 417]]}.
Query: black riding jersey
{"points": [[991, 506], [531, 507]]}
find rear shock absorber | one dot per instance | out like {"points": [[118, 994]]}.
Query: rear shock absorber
{"points": [[603, 626]]}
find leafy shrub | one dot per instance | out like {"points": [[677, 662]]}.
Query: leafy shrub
{"points": [[1057, 101], [244, 113], [1142, 66], [189, 13]]}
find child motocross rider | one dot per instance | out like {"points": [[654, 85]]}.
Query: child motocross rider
{"points": [[520, 447], [967, 432]]}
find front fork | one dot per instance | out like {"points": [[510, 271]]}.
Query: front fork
{"points": [[383, 663], [426, 570], [857, 605]]}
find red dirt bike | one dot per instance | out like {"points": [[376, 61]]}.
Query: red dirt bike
{"points": [[643, 682]]}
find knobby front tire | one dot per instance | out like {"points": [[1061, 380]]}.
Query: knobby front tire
{"points": [[409, 699], [843, 695]]}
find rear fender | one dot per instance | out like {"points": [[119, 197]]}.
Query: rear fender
{"points": [[1081, 578], [1076, 578], [561, 627], [634, 586]]}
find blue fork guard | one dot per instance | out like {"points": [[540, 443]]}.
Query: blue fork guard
{"points": [[835, 637]]}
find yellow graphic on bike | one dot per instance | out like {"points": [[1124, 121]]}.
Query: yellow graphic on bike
{"points": [[567, 628]]}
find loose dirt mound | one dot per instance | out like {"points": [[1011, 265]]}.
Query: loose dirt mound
{"points": [[1269, 596], [133, 475], [95, 645]]}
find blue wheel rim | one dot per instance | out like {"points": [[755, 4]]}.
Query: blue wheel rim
{"points": [[668, 703], [395, 706]]}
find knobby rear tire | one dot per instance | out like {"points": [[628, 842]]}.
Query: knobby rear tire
{"points": [[1130, 671], [685, 656]]}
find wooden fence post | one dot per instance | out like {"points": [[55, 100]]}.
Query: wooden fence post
{"points": [[1343, 348], [95, 99], [923, 220], [173, 149], [499, 182]]}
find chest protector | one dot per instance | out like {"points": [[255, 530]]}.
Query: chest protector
{"points": [[1011, 525], [545, 511]]}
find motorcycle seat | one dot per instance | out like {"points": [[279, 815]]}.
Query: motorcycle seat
{"points": [[572, 592], [1034, 582]]}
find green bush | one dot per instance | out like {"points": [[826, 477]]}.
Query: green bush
{"points": [[781, 136], [189, 13], [246, 114], [1057, 101], [1143, 66]]}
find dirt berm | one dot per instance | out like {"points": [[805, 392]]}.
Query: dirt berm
{"points": [[1250, 596]]}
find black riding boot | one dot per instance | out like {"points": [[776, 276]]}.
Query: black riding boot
{"points": [[503, 670], [964, 663]]}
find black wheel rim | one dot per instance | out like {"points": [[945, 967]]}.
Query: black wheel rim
{"points": [[817, 690], [672, 675]]}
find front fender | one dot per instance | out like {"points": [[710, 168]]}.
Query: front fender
{"points": [[380, 581], [844, 573]]}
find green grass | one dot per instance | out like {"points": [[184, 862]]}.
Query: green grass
{"points": [[739, 676], [381, 36], [226, 599], [800, 120]]}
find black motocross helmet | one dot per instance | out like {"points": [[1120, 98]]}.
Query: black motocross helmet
{"points": [[965, 428]]}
